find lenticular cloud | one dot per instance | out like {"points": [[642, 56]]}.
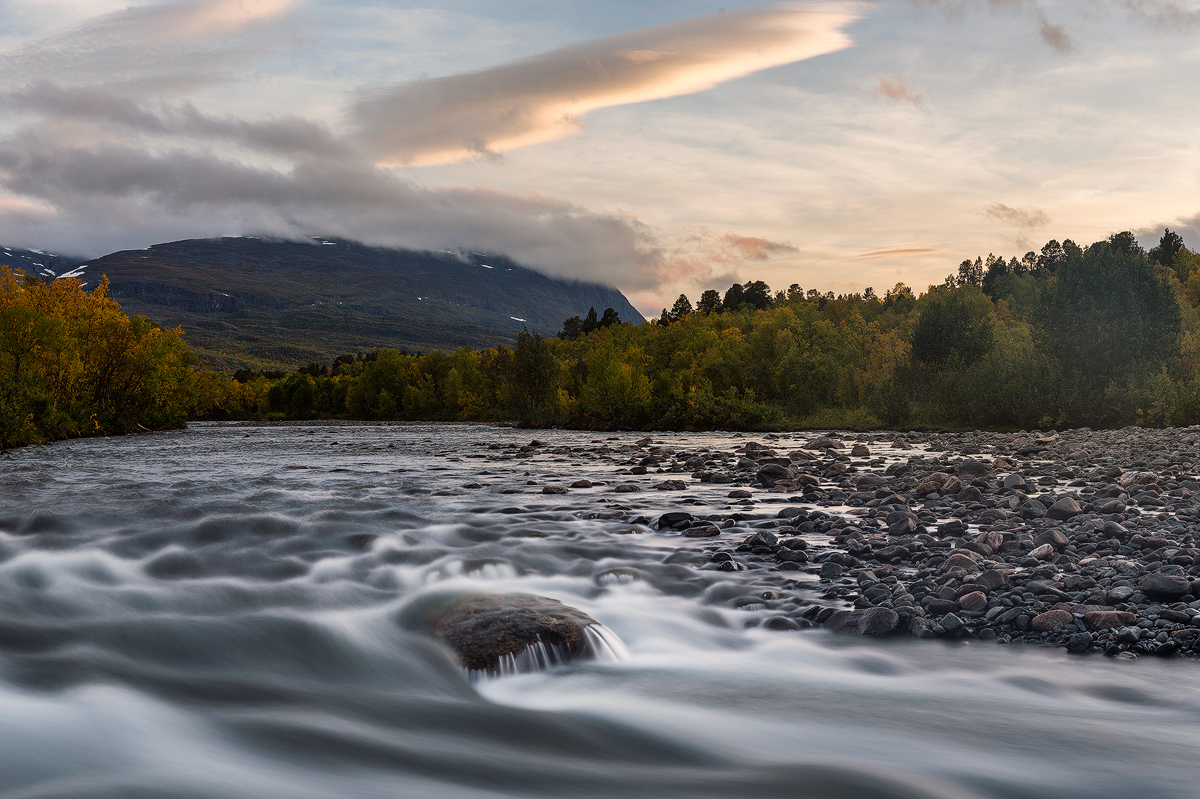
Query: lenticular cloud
{"points": [[538, 99]]}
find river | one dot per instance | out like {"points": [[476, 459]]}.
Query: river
{"points": [[214, 612]]}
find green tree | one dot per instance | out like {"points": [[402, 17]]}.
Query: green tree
{"points": [[681, 308], [709, 302], [952, 326], [1109, 316], [531, 374]]}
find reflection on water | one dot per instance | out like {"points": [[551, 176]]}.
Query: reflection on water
{"points": [[212, 613]]}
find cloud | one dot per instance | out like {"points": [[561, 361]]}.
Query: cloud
{"points": [[1020, 217], [1054, 35], [104, 149], [542, 98], [155, 48], [900, 90], [899, 251]]}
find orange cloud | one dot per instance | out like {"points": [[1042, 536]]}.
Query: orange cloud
{"points": [[542, 98]]}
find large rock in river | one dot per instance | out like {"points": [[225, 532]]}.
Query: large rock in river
{"points": [[483, 629]]}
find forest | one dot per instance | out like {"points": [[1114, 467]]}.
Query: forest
{"points": [[1101, 336], [1104, 335], [72, 364]]}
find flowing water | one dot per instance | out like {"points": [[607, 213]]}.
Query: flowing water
{"points": [[216, 613]]}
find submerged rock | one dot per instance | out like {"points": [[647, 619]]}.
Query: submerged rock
{"points": [[485, 629]]}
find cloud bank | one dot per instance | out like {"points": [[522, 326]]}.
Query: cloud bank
{"points": [[542, 98], [103, 146]]}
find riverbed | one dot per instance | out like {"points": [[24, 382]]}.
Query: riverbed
{"points": [[215, 612]]}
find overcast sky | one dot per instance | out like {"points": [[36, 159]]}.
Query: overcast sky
{"points": [[658, 147]]}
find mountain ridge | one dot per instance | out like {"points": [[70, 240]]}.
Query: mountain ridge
{"points": [[262, 302]]}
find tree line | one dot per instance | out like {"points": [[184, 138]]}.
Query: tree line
{"points": [[1102, 335], [72, 364]]}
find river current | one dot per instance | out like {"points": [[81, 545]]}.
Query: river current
{"points": [[215, 612]]}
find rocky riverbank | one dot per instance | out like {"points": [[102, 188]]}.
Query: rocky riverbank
{"points": [[1082, 539]]}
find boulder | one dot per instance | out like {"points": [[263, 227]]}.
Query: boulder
{"points": [[1064, 509], [1048, 620], [974, 469], [1164, 586], [1108, 619], [772, 473], [864, 621], [482, 629]]}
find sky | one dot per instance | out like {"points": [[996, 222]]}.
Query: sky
{"points": [[662, 148]]}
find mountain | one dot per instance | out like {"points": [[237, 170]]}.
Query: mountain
{"points": [[44, 264], [251, 302]]}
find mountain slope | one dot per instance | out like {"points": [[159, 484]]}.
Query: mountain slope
{"points": [[44, 264], [261, 302]]}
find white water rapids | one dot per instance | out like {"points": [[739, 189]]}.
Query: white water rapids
{"points": [[212, 613]]}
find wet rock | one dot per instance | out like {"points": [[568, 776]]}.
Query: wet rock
{"points": [[954, 527], [625, 488], [1065, 508], [1054, 537], [671, 485], [482, 629], [974, 469], [1048, 620], [554, 489], [1044, 552], [771, 474], [1108, 619], [830, 571], [974, 601], [1014, 481], [951, 623], [860, 451], [1164, 586], [993, 579], [1079, 642], [582, 484], [864, 621], [705, 530]]}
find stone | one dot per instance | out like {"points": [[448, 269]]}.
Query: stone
{"points": [[940, 606], [671, 485], [860, 451], [582, 484], [951, 623], [1014, 481], [1079, 642], [1065, 508], [830, 571], [1044, 552], [554, 489], [974, 469], [1164, 586], [739, 493], [959, 560], [705, 530], [993, 579], [974, 601], [1118, 595], [954, 527], [772, 473], [481, 629], [1108, 619], [674, 518], [625, 488], [1048, 620], [1053, 537], [865, 621]]}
